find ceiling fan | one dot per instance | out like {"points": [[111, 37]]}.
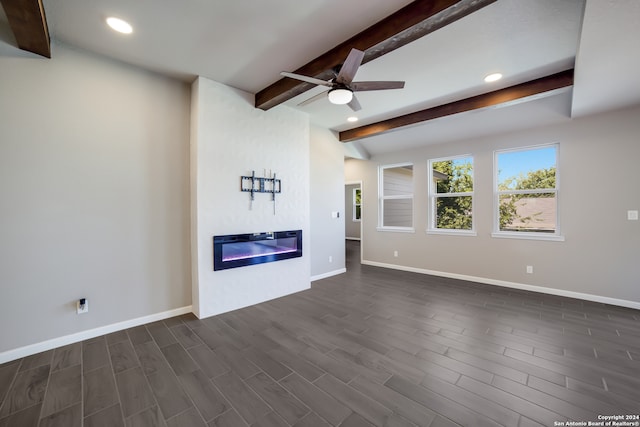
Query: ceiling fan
{"points": [[342, 86]]}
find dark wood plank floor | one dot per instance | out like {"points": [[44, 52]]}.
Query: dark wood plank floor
{"points": [[370, 347]]}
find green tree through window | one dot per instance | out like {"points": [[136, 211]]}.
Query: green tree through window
{"points": [[452, 194], [357, 204]]}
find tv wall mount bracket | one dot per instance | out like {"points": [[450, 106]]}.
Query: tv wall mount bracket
{"points": [[254, 184]]}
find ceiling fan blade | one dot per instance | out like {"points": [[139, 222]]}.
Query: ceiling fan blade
{"points": [[350, 67], [306, 79], [355, 104], [313, 98], [364, 86]]}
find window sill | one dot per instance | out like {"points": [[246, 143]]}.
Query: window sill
{"points": [[397, 229], [453, 232], [528, 236]]}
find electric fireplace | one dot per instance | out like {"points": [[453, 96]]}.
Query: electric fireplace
{"points": [[239, 250]]}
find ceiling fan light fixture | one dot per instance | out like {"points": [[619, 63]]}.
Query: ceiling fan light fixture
{"points": [[493, 77], [119, 25], [340, 96]]}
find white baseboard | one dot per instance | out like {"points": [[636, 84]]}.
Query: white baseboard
{"points": [[28, 350], [514, 285], [329, 274], [352, 238]]}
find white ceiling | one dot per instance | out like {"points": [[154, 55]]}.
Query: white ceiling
{"points": [[246, 43], [241, 43]]}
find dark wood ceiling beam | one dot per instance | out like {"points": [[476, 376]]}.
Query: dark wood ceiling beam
{"points": [[413, 21], [502, 96], [29, 25]]}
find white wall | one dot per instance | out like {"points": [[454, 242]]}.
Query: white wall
{"points": [[599, 175], [94, 195], [230, 138], [327, 196]]}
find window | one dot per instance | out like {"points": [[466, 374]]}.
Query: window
{"points": [[526, 193], [357, 204], [395, 189], [451, 195]]}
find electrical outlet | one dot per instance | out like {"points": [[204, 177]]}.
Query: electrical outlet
{"points": [[330, 258], [395, 254], [82, 306], [632, 215], [529, 269]]}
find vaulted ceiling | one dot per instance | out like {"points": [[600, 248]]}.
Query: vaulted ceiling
{"points": [[441, 48]]}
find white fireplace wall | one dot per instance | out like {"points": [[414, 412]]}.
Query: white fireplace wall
{"points": [[230, 138]]}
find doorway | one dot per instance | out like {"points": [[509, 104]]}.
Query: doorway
{"points": [[353, 209]]}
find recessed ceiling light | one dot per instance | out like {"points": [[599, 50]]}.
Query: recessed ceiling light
{"points": [[119, 25], [352, 119], [493, 77]]}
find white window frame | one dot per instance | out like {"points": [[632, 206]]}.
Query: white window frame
{"points": [[355, 219], [382, 198], [557, 235], [433, 195]]}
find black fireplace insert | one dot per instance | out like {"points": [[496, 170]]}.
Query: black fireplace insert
{"points": [[239, 250]]}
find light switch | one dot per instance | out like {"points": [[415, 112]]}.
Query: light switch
{"points": [[335, 214], [632, 215]]}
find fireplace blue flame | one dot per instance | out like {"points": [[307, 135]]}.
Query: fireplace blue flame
{"points": [[239, 250]]}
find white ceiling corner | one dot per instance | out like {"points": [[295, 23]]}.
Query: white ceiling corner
{"points": [[607, 73]]}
